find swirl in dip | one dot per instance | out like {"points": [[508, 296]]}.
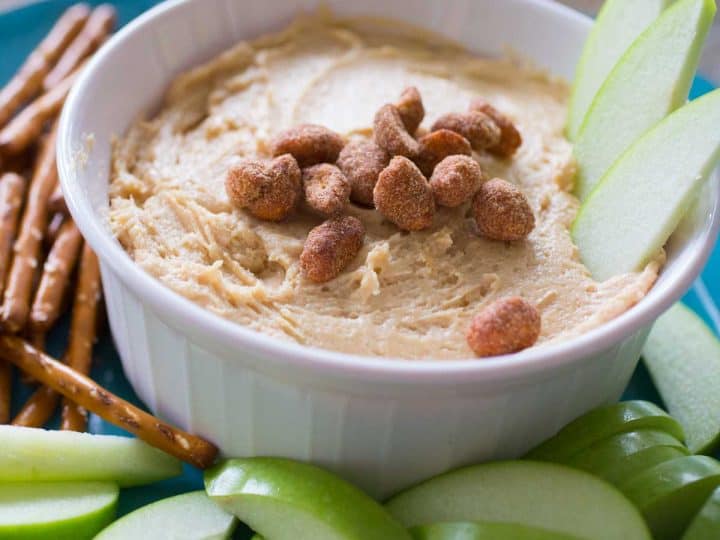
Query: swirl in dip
{"points": [[406, 295]]}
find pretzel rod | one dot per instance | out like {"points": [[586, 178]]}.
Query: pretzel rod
{"points": [[96, 399], [12, 192], [5, 390], [28, 125], [28, 80], [56, 202], [37, 340], [27, 248], [55, 278], [53, 229], [98, 27], [38, 409]]}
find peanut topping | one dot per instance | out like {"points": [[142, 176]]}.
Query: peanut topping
{"points": [[402, 195], [411, 109], [268, 191], [309, 144], [391, 134], [476, 127], [327, 191], [510, 138], [362, 162], [506, 326], [455, 180], [437, 145], [330, 247], [502, 212]]}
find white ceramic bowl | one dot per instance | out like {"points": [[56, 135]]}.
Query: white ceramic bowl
{"points": [[382, 423]]}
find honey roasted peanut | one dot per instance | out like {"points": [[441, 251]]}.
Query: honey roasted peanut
{"points": [[309, 144], [327, 191], [392, 135], [411, 109], [476, 127], [268, 191], [403, 195], [502, 212], [437, 145], [506, 326], [510, 138], [362, 162], [455, 180], [330, 247]]}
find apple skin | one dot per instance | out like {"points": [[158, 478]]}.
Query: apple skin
{"points": [[617, 25], [279, 497], [190, 516], [56, 510], [670, 494], [469, 530], [683, 357], [604, 422], [534, 494], [651, 80], [706, 524]]}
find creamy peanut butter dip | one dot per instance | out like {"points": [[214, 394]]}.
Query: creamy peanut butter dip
{"points": [[407, 295]]}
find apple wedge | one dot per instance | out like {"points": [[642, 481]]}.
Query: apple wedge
{"points": [[487, 530], [640, 201], [618, 24], [190, 516], [706, 524], [683, 357], [56, 510], [649, 81], [279, 497], [32, 454], [621, 456], [602, 423], [670, 494], [534, 494]]}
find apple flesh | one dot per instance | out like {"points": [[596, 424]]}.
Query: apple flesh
{"points": [[651, 80], [57, 510], [476, 530], [604, 422], [284, 500], [617, 25], [39, 455], [670, 494], [706, 525], [683, 357], [534, 494], [641, 200], [621, 456], [190, 516]]}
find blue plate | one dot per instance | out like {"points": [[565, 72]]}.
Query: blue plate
{"points": [[21, 30]]}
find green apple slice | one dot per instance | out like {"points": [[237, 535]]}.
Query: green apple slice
{"points": [[649, 81], [683, 357], [670, 494], [617, 458], [487, 530], [32, 454], [641, 200], [602, 423], [190, 516], [534, 494], [617, 25], [706, 525], [56, 510], [279, 497]]}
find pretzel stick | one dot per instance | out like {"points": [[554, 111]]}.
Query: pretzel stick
{"points": [[12, 192], [55, 278], [38, 409], [53, 229], [28, 125], [27, 248], [87, 393], [56, 202], [28, 80], [97, 29], [82, 333]]}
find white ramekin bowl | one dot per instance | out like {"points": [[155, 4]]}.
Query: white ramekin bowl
{"points": [[382, 423]]}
